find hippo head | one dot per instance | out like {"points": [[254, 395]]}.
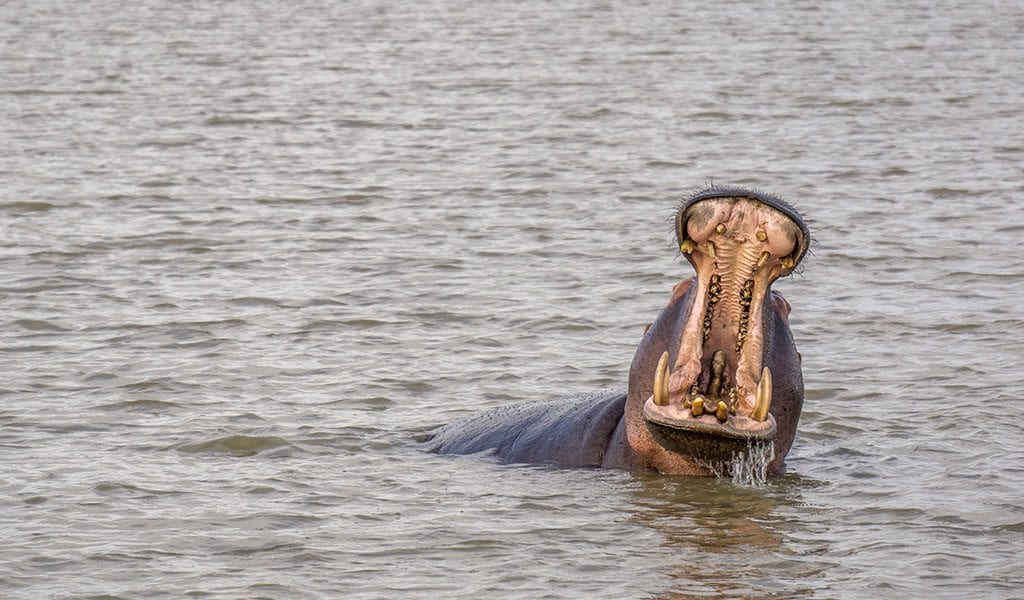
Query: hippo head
{"points": [[717, 373]]}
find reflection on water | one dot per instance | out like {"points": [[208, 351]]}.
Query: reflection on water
{"points": [[730, 539]]}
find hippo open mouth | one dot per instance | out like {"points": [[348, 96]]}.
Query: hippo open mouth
{"points": [[715, 386], [712, 390]]}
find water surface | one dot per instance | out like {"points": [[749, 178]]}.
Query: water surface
{"points": [[250, 251]]}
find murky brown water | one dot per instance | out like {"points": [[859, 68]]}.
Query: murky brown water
{"points": [[248, 251]]}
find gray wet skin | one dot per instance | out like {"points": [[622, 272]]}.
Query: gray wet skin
{"points": [[730, 371]]}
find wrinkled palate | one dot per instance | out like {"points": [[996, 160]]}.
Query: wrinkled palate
{"points": [[738, 247]]}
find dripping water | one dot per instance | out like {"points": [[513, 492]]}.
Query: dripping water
{"points": [[746, 468], [751, 467]]}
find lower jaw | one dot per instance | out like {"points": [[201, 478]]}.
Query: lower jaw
{"points": [[704, 440]]}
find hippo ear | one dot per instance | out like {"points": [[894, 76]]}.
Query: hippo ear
{"points": [[781, 304]]}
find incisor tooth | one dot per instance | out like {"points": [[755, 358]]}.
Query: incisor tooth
{"points": [[661, 381], [720, 229], [788, 262], [697, 408], [764, 396], [761, 236], [711, 249], [764, 258], [722, 411], [688, 246]]}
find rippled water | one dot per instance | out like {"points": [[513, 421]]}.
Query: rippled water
{"points": [[251, 250]]}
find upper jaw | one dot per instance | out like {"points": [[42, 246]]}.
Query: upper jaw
{"points": [[714, 382]]}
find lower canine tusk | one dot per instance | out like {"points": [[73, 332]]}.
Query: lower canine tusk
{"points": [[661, 381], [764, 396]]}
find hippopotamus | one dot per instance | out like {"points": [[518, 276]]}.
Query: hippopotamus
{"points": [[716, 375]]}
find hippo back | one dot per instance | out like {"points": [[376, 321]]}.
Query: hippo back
{"points": [[572, 432]]}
